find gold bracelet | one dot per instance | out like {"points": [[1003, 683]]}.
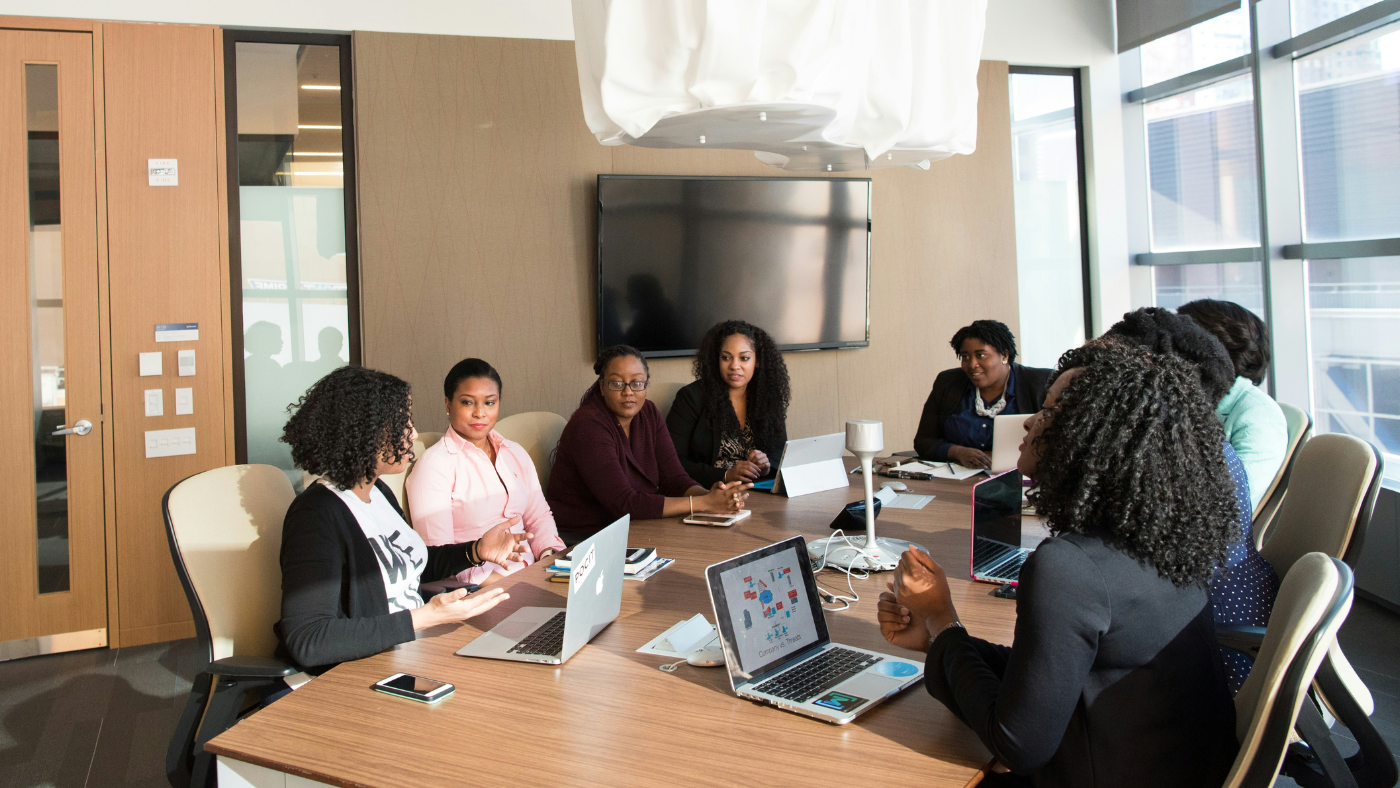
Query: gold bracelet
{"points": [[691, 498]]}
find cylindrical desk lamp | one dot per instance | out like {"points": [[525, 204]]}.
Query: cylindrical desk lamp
{"points": [[864, 439]]}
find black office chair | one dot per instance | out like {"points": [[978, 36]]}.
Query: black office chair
{"points": [[225, 532]]}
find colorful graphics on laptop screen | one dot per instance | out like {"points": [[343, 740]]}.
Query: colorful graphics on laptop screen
{"points": [[769, 609]]}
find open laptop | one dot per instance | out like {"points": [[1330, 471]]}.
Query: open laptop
{"points": [[773, 632], [1007, 434], [997, 554], [551, 635]]}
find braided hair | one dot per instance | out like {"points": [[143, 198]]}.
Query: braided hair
{"points": [[1133, 454], [1244, 335], [347, 422], [989, 332], [605, 358], [768, 394]]}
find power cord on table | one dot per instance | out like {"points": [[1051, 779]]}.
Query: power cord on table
{"points": [[859, 574]]}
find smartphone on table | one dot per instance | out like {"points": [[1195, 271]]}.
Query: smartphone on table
{"points": [[406, 685]]}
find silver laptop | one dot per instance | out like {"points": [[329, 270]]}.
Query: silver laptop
{"points": [[1007, 434], [997, 555], [550, 635], [773, 632]]}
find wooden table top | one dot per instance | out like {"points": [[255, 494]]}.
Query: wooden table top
{"points": [[608, 715]]}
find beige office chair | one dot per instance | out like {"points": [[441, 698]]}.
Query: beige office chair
{"points": [[1332, 492], [537, 431], [1299, 429], [224, 528]]}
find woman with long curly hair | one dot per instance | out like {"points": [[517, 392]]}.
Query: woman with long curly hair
{"points": [[351, 565], [730, 425], [1114, 676]]}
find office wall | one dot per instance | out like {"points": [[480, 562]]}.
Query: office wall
{"points": [[477, 231], [165, 266]]}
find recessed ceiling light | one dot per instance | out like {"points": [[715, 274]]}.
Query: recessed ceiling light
{"points": [[316, 153], [320, 87], [317, 127]]}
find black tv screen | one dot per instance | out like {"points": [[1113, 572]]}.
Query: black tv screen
{"points": [[678, 254]]}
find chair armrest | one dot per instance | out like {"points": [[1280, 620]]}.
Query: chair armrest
{"points": [[1243, 639], [247, 667]]}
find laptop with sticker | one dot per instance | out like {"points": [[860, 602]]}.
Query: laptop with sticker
{"points": [[776, 646], [551, 635]]}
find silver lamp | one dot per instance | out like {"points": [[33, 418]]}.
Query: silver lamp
{"points": [[864, 439]]}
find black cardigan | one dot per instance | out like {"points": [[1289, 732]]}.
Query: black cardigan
{"points": [[948, 390], [1115, 677], [333, 603], [693, 430]]}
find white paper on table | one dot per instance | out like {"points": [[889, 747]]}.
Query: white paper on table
{"points": [[661, 644], [908, 502], [952, 470], [915, 467]]}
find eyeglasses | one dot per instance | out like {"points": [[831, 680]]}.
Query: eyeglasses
{"points": [[619, 385]]}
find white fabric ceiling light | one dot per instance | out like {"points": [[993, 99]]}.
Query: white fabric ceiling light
{"points": [[808, 85]]}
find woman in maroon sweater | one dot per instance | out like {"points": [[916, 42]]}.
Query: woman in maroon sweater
{"points": [[616, 457]]}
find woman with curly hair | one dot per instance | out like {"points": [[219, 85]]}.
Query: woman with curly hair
{"points": [[731, 423], [1114, 676], [956, 424], [615, 457], [1254, 423], [351, 565]]}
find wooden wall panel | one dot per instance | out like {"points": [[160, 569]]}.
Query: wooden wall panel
{"points": [[164, 257], [477, 230]]}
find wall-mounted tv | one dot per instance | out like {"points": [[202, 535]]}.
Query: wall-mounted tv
{"points": [[678, 254]]}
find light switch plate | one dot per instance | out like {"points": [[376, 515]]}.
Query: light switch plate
{"points": [[184, 402], [155, 402], [185, 360], [169, 443], [151, 364]]}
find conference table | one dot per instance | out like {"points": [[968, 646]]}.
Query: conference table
{"points": [[609, 715]]}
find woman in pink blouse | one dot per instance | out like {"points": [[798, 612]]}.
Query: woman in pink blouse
{"points": [[474, 479]]}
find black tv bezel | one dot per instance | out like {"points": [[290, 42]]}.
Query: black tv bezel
{"points": [[598, 259]]}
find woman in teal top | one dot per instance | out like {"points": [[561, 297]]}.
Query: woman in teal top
{"points": [[1254, 423]]}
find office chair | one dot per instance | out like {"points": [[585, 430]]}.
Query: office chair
{"points": [[224, 528], [1299, 430], [1311, 605], [537, 431], [1332, 493]]}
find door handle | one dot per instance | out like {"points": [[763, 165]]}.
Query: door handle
{"points": [[82, 427]]}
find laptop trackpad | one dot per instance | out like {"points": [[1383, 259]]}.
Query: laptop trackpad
{"points": [[514, 630], [868, 684]]}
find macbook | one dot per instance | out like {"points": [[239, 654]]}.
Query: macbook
{"points": [[997, 553], [776, 647], [551, 635], [1007, 434]]}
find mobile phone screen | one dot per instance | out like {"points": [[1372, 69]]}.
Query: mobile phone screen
{"points": [[415, 684]]}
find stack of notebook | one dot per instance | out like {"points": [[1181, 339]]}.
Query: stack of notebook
{"points": [[642, 562]]}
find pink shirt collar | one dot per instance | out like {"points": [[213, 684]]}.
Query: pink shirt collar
{"points": [[456, 443]]}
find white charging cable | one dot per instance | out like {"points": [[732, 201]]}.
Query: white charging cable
{"points": [[859, 574]]}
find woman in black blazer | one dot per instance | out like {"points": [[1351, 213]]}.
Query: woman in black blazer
{"points": [[730, 425], [1114, 676], [956, 424], [351, 565]]}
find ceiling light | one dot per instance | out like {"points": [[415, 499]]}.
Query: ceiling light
{"points": [[320, 87], [318, 127], [310, 153]]}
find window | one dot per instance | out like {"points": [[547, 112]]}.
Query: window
{"points": [[293, 253], [1309, 14], [1051, 258], [1213, 41]]}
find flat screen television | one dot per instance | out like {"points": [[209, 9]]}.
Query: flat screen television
{"points": [[678, 254]]}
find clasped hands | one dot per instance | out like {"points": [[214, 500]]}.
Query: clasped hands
{"points": [[918, 604], [755, 466]]}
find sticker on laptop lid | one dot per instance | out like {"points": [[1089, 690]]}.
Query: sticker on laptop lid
{"points": [[583, 567], [839, 701]]}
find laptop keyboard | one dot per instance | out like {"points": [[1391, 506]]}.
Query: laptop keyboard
{"points": [[994, 559], [817, 675], [547, 639]]}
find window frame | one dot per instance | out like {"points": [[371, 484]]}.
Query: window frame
{"points": [[233, 37]]}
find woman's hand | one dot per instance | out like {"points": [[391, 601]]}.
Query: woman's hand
{"points": [[743, 471], [761, 460], [724, 498], [969, 458], [922, 588], [454, 606], [898, 627], [500, 546]]}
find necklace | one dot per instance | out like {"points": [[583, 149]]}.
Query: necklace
{"points": [[989, 411]]}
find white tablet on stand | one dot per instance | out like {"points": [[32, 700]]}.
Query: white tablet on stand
{"points": [[812, 465]]}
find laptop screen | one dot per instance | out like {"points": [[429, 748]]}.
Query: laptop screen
{"points": [[766, 605], [996, 511]]}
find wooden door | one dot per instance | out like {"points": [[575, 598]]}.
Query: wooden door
{"points": [[52, 554]]}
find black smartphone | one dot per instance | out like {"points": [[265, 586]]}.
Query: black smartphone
{"points": [[406, 685]]}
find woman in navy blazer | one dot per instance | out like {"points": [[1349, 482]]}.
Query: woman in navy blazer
{"points": [[615, 457]]}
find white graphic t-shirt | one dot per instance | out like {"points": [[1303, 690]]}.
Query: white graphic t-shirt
{"points": [[399, 548]]}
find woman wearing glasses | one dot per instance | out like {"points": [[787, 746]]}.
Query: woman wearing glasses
{"points": [[615, 457]]}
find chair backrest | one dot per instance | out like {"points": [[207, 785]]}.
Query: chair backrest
{"points": [[538, 431], [1299, 428], [1312, 603], [224, 528], [1333, 479]]}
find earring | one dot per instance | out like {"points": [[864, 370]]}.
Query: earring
{"points": [[1005, 362]]}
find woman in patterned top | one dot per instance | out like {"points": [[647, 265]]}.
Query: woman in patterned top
{"points": [[730, 425]]}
